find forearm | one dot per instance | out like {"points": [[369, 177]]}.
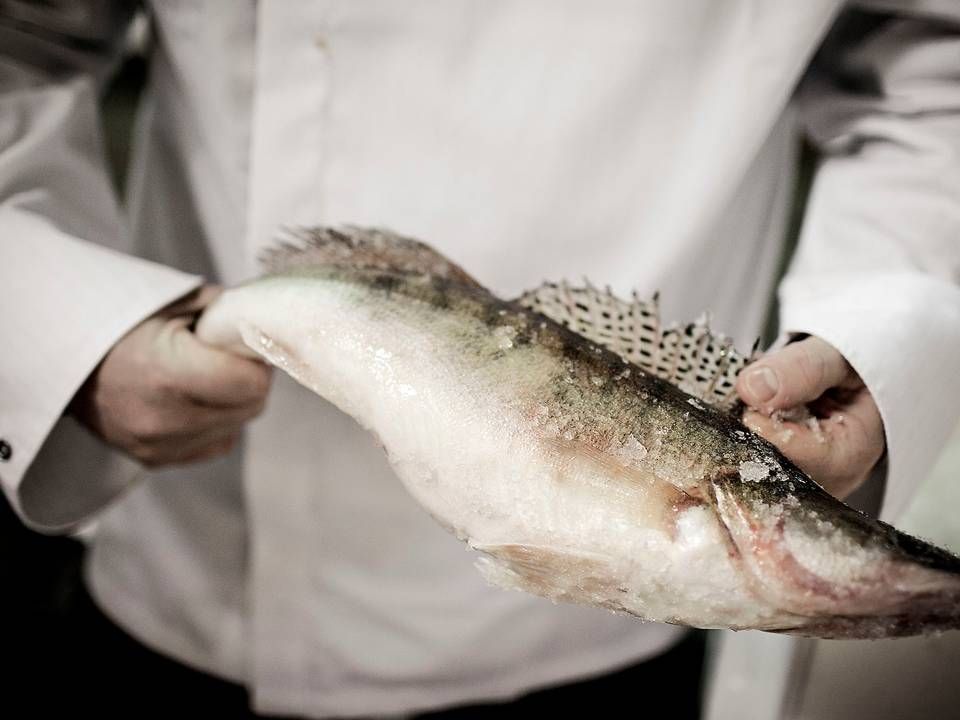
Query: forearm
{"points": [[876, 270], [68, 295]]}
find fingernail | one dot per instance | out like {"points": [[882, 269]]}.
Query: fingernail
{"points": [[762, 383]]}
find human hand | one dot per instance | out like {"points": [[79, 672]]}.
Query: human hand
{"points": [[164, 397], [841, 446]]}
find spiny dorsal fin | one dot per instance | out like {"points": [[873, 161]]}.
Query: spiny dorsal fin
{"points": [[691, 357], [358, 247]]}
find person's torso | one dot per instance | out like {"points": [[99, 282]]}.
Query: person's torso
{"points": [[644, 145]]}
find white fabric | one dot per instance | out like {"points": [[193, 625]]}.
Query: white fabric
{"points": [[644, 144]]}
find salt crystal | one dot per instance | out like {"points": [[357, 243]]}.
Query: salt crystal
{"points": [[505, 335], [798, 414], [751, 471], [631, 451], [814, 425]]}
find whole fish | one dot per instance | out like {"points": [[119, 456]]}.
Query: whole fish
{"points": [[588, 453]]}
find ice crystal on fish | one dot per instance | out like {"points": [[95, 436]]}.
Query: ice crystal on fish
{"points": [[752, 471], [813, 424], [505, 335], [631, 451]]}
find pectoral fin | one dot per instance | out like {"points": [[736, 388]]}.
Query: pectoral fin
{"points": [[552, 572]]}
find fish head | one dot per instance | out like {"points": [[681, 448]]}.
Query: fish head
{"points": [[813, 557]]}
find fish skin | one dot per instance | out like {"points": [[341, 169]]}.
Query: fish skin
{"points": [[579, 476]]}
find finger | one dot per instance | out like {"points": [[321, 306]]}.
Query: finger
{"points": [[193, 303], [186, 418], [838, 452], [858, 430], [171, 447], [215, 377], [799, 442], [214, 450], [794, 375], [154, 458], [210, 416], [811, 451]]}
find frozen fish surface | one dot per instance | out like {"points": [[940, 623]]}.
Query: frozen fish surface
{"points": [[589, 454]]}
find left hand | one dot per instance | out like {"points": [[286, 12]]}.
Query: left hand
{"points": [[812, 372]]}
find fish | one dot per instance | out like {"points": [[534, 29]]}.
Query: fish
{"points": [[586, 452]]}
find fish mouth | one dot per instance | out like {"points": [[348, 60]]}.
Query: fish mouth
{"points": [[873, 627], [848, 576]]}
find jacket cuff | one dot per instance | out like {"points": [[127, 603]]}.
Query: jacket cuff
{"points": [[901, 332], [67, 303]]}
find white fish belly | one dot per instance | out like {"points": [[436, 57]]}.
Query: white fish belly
{"points": [[462, 444]]}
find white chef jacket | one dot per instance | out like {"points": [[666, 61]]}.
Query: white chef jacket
{"points": [[646, 145]]}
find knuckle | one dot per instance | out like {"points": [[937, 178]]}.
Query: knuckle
{"points": [[257, 408], [160, 382], [248, 413], [812, 366], [259, 383], [148, 426], [217, 449], [865, 451], [149, 456]]}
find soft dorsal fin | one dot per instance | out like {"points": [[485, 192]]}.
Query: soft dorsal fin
{"points": [[691, 357], [359, 247]]}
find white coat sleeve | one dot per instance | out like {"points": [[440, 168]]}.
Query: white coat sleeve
{"points": [[877, 268], [67, 293]]}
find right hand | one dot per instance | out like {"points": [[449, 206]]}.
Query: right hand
{"points": [[164, 397]]}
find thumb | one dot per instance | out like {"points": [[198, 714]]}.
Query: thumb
{"points": [[193, 302], [794, 375], [213, 376]]}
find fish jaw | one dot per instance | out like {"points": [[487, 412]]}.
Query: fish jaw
{"points": [[843, 573], [625, 540]]}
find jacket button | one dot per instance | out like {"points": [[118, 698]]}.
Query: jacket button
{"points": [[5, 450]]}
